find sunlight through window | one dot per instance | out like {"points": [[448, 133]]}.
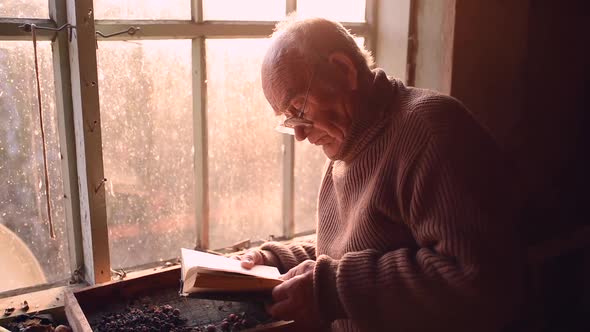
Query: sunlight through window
{"points": [[339, 10], [240, 10]]}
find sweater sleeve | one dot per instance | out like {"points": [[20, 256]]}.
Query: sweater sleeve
{"points": [[291, 254], [466, 272]]}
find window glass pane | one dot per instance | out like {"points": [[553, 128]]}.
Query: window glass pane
{"points": [[252, 10], [25, 243], [147, 133], [142, 9], [24, 8], [245, 159], [309, 163], [339, 10]]}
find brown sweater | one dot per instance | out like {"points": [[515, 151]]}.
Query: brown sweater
{"points": [[416, 225]]}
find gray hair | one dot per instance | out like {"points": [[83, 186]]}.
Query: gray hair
{"points": [[300, 49], [317, 38]]}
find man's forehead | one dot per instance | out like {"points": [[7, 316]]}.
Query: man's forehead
{"points": [[282, 81], [280, 95], [285, 101]]}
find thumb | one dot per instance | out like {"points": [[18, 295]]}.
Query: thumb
{"points": [[251, 258], [247, 262]]}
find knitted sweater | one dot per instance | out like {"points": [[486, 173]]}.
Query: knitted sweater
{"points": [[416, 221]]}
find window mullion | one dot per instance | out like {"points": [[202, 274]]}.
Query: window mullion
{"points": [[291, 6], [199, 80], [87, 128], [197, 11], [371, 22], [288, 201], [67, 139], [200, 142]]}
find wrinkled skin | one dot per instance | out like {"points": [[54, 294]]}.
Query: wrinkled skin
{"points": [[294, 298], [332, 117]]}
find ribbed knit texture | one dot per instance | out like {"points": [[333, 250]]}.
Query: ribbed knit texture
{"points": [[416, 228]]}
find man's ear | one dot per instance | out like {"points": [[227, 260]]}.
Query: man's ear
{"points": [[347, 68]]}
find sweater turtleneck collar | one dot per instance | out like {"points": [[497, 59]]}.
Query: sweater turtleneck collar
{"points": [[370, 118]]}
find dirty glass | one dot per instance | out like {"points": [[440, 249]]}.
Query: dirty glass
{"points": [[142, 9], [25, 243], [245, 158], [24, 8], [339, 10], [240, 10], [147, 135], [309, 163]]}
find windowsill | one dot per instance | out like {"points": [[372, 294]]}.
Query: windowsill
{"points": [[38, 301], [53, 298]]}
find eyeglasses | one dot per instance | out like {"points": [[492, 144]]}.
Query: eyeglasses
{"points": [[287, 125]]}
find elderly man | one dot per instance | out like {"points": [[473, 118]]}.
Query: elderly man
{"points": [[415, 228]]}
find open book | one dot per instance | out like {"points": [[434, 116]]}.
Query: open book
{"points": [[201, 271]]}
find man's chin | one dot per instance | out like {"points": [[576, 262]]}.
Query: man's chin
{"points": [[331, 150]]}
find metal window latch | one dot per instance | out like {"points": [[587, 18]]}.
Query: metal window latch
{"points": [[130, 31], [28, 27]]}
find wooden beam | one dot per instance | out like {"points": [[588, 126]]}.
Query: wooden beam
{"points": [[39, 301], [410, 72], [76, 318], [392, 37], [9, 29], [67, 138], [490, 46], [372, 20], [433, 44], [87, 124]]}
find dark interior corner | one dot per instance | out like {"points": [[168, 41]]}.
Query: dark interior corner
{"points": [[550, 144]]}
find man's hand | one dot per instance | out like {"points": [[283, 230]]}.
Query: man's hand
{"points": [[256, 257], [294, 299]]}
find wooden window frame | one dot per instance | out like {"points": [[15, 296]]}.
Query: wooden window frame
{"points": [[78, 111]]}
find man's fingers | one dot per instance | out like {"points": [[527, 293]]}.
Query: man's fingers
{"points": [[281, 310], [297, 270], [247, 263], [281, 292], [250, 258]]}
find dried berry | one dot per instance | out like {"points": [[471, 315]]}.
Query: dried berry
{"points": [[145, 319]]}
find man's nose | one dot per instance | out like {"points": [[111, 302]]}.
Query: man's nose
{"points": [[301, 133]]}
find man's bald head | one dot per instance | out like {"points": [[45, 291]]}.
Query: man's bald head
{"points": [[302, 47]]}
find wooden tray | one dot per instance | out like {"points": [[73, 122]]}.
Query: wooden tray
{"points": [[84, 308]]}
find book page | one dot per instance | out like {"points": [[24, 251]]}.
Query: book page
{"points": [[192, 258]]}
